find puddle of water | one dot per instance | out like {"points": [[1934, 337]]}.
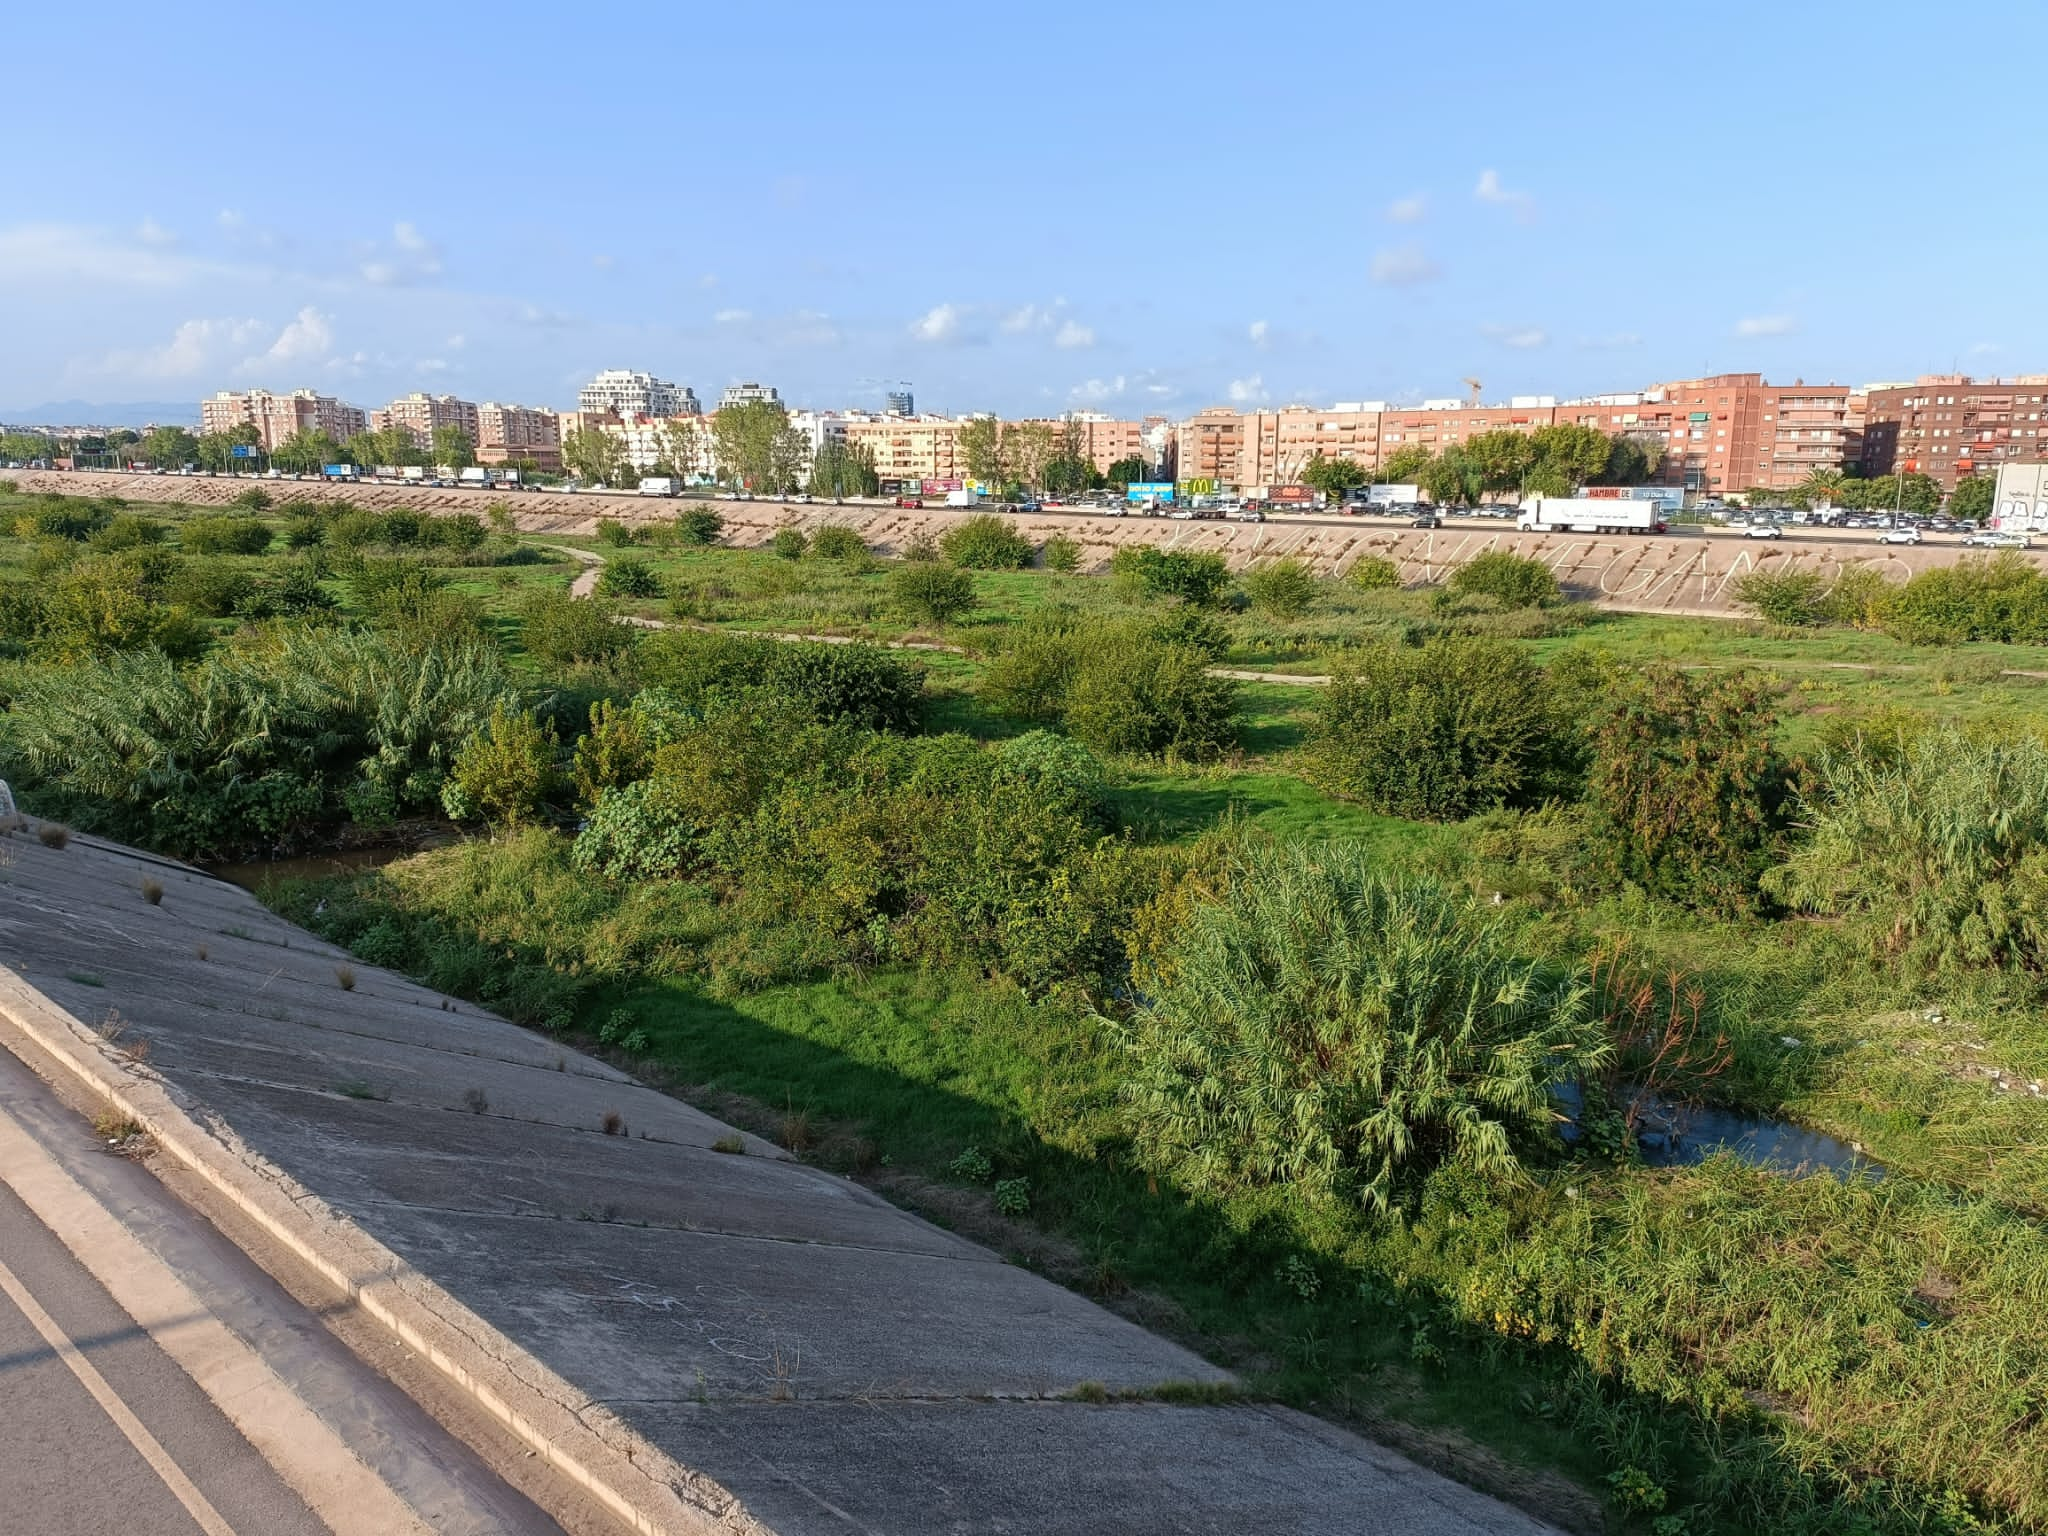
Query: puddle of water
{"points": [[1676, 1135], [254, 874]]}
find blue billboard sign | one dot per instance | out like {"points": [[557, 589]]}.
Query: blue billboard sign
{"points": [[1149, 490], [338, 471], [243, 451]]}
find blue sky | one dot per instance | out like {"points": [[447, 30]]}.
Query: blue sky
{"points": [[1130, 208]]}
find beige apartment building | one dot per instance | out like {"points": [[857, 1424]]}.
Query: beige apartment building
{"points": [[276, 417], [517, 433], [420, 414], [1278, 445], [910, 447]]}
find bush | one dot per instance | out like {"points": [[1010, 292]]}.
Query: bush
{"points": [[614, 534], [1795, 598], [1192, 577], [60, 517], [129, 531], [304, 533], [355, 528], [1060, 769], [1513, 581], [460, 531], [922, 547], [1858, 597], [254, 499], [402, 528], [224, 536], [835, 541], [932, 593], [628, 576], [210, 587], [1328, 1029], [1375, 573], [104, 603], [699, 525], [1283, 589], [504, 772], [1141, 694], [861, 685], [1028, 676], [1460, 725], [985, 543], [789, 543], [1937, 841], [1061, 555], [560, 631], [1686, 787]]}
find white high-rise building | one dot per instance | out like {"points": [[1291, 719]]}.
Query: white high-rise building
{"points": [[627, 394], [748, 394]]}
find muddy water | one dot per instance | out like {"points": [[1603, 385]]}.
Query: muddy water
{"points": [[254, 874]]}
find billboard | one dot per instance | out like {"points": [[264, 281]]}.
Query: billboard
{"points": [[338, 471], [940, 487], [1149, 490]]}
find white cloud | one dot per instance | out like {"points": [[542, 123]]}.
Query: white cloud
{"points": [[1245, 391], [1096, 391], [1522, 337], [1491, 190], [1074, 336], [708, 280], [1401, 265], [71, 253], [194, 348], [1027, 318], [1407, 210], [733, 316], [1986, 348], [431, 365], [1259, 331], [942, 324], [413, 258], [806, 328], [230, 218], [1751, 326], [456, 342], [149, 232], [310, 335]]}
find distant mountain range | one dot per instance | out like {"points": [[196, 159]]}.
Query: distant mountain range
{"points": [[88, 413]]}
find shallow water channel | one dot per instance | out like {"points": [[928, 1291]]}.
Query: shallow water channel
{"points": [[1674, 1135]]}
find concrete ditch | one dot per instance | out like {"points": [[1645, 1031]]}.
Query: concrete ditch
{"points": [[707, 1342]]}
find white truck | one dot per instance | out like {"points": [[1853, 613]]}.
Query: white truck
{"points": [[963, 499], [660, 485], [475, 475], [1393, 496], [1587, 514]]}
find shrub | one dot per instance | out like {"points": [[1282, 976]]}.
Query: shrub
{"points": [[1027, 678], [1327, 1028], [985, 543], [1375, 573], [628, 576], [224, 536], [1794, 598], [504, 772], [1059, 768], [1938, 841], [614, 534], [401, 528], [699, 525], [561, 631], [254, 499], [862, 685], [129, 531], [210, 587], [1060, 554], [1858, 597], [460, 531], [355, 528], [103, 603], [1513, 581], [1283, 589], [1460, 725], [789, 543], [932, 593], [1686, 786], [1192, 577], [922, 547], [835, 541], [1140, 694], [304, 533], [60, 517]]}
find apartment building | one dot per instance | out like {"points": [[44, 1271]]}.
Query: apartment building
{"points": [[1731, 431], [276, 417], [1951, 426], [420, 414], [1278, 445], [1210, 446], [910, 447], [749, 394], [508, 434], [625, 394]]}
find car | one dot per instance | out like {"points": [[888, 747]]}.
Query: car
{"points": [[1180, 514], [910, 501], [1250, 515], [1999, 538], [1426, 520], [1763, 531], [1906, 535], [802, 498]]}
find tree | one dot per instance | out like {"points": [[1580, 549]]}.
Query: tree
{"points": [[682, 442], [1125, 472], [305, 451], [169, 448], [453, 448], [1972, 497], [1028, 446], [1577, 455], [26, 446], [841, 468], [1333, 477], [1404, 466], [1630, 461], [980, 449], [753, 445], [503, 773], [1066, 475], [1500, 458], [1450, 479], [596, 456]]}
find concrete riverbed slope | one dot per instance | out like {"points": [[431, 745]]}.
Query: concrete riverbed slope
{"points": [[704, 1333]]}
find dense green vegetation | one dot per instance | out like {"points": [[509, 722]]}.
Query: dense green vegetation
{"points": [[1240, 1006]]}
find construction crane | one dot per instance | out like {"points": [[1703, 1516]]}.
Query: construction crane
{"points": [[1473, 386]]}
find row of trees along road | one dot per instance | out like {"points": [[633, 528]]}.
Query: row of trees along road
{"points": [[1551, 461]]}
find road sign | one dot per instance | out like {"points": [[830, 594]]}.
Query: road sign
{"points": [[243, 451]]}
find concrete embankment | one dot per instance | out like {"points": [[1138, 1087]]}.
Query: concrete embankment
{"points": [[704, 1333], [1687, 572]]}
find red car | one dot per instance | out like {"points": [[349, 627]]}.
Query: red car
{"points": [[910, 501]]}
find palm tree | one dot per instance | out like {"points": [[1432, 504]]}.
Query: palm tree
{"points": [[1821, 485]]}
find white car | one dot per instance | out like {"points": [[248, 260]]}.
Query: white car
{"points": [[1763, 531], [1993, 538], [1899, 536]]}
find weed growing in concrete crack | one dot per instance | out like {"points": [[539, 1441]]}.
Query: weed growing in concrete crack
{"points": [[153, 892], [784, 1369], [614, 1123], [84, 978], [796, 1132], [54, 834], [736, 1144], [346, 976], [114, 1127], [476, 1101]]}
